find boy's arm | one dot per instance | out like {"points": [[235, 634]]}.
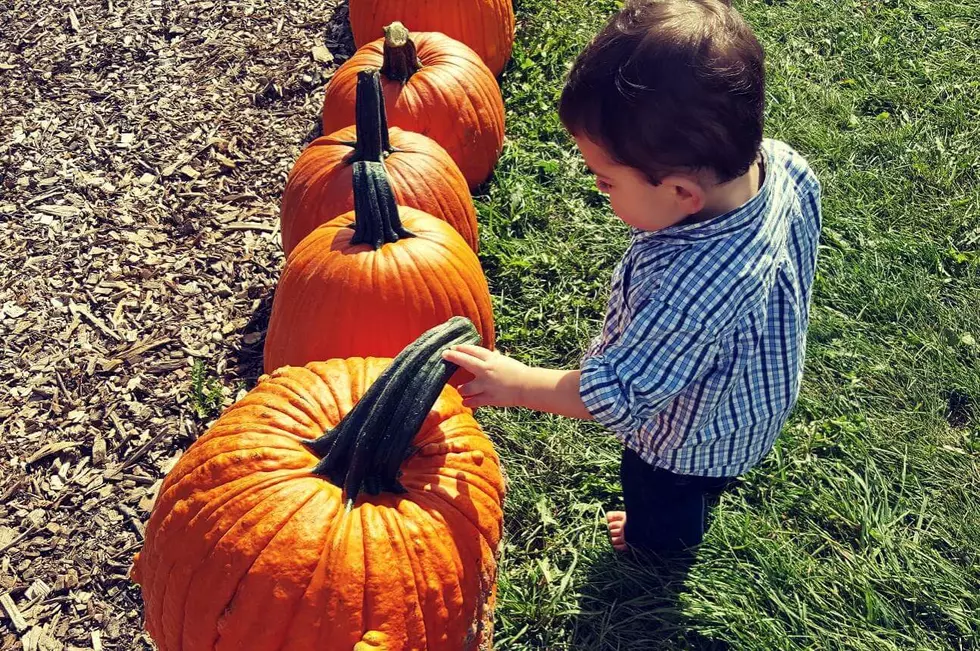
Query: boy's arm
{"points": [[504, 382], [555, 392]]}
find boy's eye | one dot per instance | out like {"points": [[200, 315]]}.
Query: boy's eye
{"points": [[603, 186]]}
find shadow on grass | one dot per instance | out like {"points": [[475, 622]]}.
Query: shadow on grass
{"points": [[633, 602]]}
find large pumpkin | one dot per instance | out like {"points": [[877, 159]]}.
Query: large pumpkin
{"points": [[269, 535], [368, 283], [487, 26], [422, 174], [433, 85]]}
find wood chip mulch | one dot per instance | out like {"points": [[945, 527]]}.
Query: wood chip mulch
{"points": [[144, 146]]}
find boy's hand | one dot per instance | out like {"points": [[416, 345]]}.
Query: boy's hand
{"points": [[499, 380]]}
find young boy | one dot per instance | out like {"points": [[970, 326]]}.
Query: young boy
{"points": [[701, 355]]}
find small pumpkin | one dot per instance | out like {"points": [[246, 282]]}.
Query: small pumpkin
{"points": [[382, 533], [487, 26], [371, 281], [433, 85], [422, 174]]}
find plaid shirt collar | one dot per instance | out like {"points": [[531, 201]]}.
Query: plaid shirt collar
{"points": [[723, 224]]}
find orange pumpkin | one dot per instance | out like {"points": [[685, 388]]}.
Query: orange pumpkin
{"points": [[487, 26], [371, 281], [383, 533], [422, 174], [433, 85]]}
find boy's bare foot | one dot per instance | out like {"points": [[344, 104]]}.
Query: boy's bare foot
{"points": [[616, 520]]}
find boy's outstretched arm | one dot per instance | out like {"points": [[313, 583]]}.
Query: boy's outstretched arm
{"points": [[504, 382]]}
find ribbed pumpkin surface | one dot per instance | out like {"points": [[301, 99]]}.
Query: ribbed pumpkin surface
{"points": [[247, 549], [453, 99], [487, 26], [336, 299], [421, 173]]}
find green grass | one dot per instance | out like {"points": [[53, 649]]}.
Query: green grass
{"points": [[861, 529]]}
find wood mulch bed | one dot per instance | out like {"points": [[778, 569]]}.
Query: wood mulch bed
{"points": [[144, 147]]}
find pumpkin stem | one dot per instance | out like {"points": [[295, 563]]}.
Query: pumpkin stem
{"points": [[366, 449], [400, 58], [376, 220], [371, 119]]}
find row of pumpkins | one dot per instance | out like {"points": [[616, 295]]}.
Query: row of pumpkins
{"points": [[350, 500]]}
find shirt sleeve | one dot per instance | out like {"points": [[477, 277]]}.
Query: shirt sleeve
{"points": [[660, 353]]}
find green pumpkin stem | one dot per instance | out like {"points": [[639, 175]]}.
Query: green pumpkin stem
{"points": [[366, 449], [376, 220], [371, 119], [401, 61]]}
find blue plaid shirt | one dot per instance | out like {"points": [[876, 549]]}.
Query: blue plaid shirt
{"points": [[700, 359]]}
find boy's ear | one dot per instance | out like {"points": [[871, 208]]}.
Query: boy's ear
{"points": [[688, 194]]}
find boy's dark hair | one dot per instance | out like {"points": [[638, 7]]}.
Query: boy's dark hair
{"points": [[671, 85]]}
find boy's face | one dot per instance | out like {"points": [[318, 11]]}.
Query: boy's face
{"points": [[634, 199]]}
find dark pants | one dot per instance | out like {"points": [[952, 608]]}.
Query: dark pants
{"points": [[666, 512]]}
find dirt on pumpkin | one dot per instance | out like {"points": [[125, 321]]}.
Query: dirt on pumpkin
{"points": [[144, 146]]}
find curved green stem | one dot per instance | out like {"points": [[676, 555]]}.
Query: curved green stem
{"points": [[366, 449]]}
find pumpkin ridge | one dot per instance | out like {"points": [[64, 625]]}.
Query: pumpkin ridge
{"points": [[365, 604], [467, 548], [468, 276], [148, 567], [393, 526], [315, 266], [354, 282], [469, 154], [465, 230], [210, 504], [254, 456], [460, 279], [268, 414], [429, 584], [268, 503], [301, 602], [440, 493], [394, 612], [347, 527], [419, 480], [175, 491], [489, 95], [262, 429], [423, 269], [392, 277], [437, 247], [189, 572], [291, 404], [447, 428], [280, 526], [270, 453], [336, 397], [301, 396], [291, 434], [308, 601], [447, 585], [303, 544], [421, 477], [471, 109]]}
